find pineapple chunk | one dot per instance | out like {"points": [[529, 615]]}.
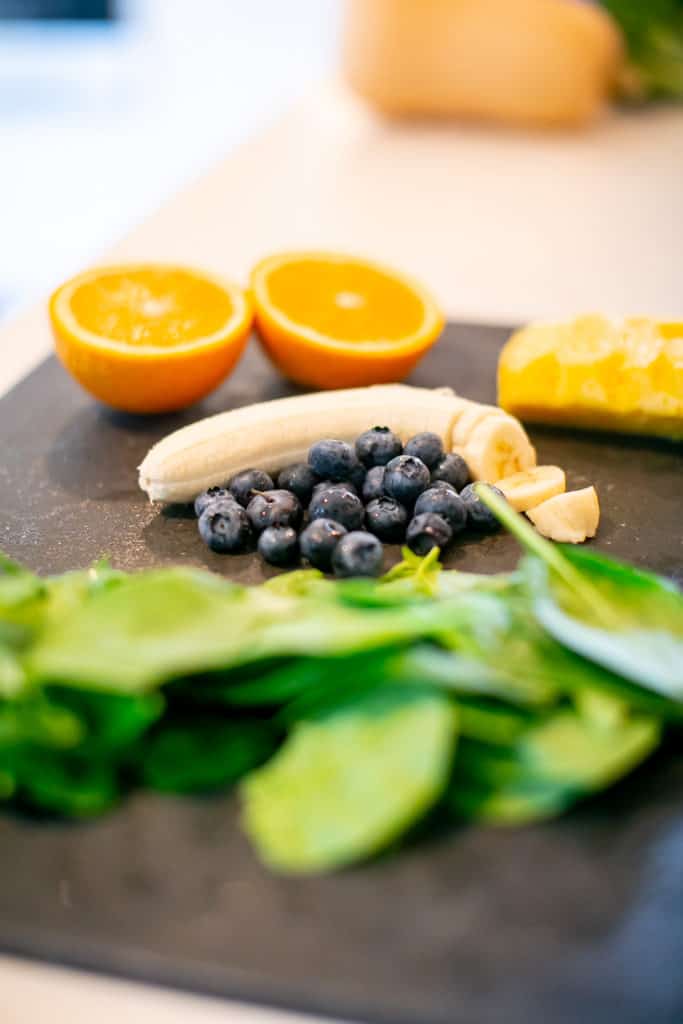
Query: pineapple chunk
{"points": [[596, 374]]}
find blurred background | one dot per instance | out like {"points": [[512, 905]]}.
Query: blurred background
{"points": [[108, 106]]}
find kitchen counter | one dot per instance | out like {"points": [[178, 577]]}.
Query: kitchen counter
{"points": [[504, 228]]}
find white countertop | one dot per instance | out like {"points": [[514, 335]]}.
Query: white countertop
{"points": [[503, 227]]}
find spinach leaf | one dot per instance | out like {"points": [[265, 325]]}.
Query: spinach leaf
{"points": [[628, 621], [472, 670], [203, 753], [567, 749], [13, 680], [546, 767], [643, 642], [517, 802], [109, 721], [35, 720], [22, 597], [297, 678], [28, 603], [64, 784], [164, 624], [492, 722], [148, 628], [415, 574], [347, 784]]}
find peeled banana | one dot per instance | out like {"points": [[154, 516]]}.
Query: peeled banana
{"points": [[570, 517], [497, 447], [530, 488], [270, 435]]}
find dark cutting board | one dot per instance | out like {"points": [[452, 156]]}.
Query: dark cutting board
{"points": [[580, 920]]}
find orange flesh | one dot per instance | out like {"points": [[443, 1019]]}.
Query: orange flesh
{"points": [[151, 307], [345, 301]]}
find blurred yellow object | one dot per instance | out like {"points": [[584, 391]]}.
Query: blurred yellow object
{"points": [[535, 62], [594, 373]]}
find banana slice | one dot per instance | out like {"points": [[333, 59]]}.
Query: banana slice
{"points": [[570, 517], [526, 490], [470, 418], [270, 435], [498, 447]]}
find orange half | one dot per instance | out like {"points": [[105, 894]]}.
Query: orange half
{"points": [[332, 321], [149, 338]]}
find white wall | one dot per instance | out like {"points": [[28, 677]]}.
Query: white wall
{"points": [[99, 124]]}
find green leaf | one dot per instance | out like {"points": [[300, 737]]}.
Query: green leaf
{"points": [[626, 620], [654, 34], [567, 749], [601, 709], [505, 653], [22, 597], [168, 623], [643, 642], [299, 583], [34, 720], [511, 803], [492, 721], [110, 721], [64, 784], [13, 681], [346, 785], [148, 628], [204, 754], [546, 768], [28, 604], [296, 678], [416, 574], [66, 593], [472, 673]]}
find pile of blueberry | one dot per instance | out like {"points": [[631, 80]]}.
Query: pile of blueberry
{"points": [[337, 510]]}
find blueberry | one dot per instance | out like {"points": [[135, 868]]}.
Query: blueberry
{"points": [[357, 476], [405, 479], [478, 515], [428, 531], [453, 470], [224, 526], [333, 460], [358, 554], [274, 508], [387, 520], [444, 501], [319, 540], [245, 485], [279, 545], [340, 504], [300, 480], [331, 485], [378, 446], [373, 486], [213, 494], [427, 447]]}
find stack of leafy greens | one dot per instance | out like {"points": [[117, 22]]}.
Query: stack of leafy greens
{"points": [[347, 711], [653, 30]]}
